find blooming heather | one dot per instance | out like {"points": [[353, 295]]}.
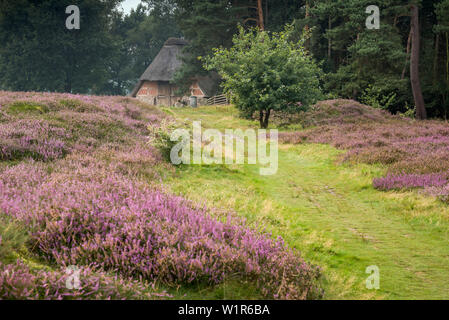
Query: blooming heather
{"points": [[91, 205], [409, 181], [414, 152], [72, 122], [32, 138], [123, 226], [441, 193], [17, 281]]}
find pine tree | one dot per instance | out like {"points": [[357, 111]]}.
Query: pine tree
{"points": [[38, 52]]}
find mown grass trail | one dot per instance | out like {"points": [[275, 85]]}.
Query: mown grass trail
{"points": [[332, 214]]}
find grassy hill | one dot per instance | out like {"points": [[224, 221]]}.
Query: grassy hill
{"points": [[80, 186], [323, 202]]}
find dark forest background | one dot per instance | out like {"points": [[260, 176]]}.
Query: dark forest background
{"points": [[111, 49]]}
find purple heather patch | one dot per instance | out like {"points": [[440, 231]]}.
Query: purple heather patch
{"points": [[83, 194], [415, 153]]}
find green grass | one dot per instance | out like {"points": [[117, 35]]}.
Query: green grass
{"points": [[13, 240], [217, 117], [15, 244], [229, 290], [329, 211], [27, 107], [332, 214]]}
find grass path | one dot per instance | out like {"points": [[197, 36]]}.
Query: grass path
{"points": [[333, 215]]}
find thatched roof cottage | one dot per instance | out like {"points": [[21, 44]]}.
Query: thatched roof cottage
{"points": [[155, 85]]}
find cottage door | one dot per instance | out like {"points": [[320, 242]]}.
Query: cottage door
{"points": [[164, 93]]}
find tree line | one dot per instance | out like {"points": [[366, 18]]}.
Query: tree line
{"points": [[403, 64]]}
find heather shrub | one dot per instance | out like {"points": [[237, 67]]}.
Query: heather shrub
{"points": [[136, 160], [123, 226], [375, 154], [86, 123], [31, 138], [76, 105], [18, 281], [373, 96], [129, 111], [87, 202], [441, 193], [410, 181], [339, 111], [294, 137], [414, 153], [98, 126]]}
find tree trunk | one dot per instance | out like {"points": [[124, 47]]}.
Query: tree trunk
{"points": [[267, 116], [263, 118], [408, 53], [414, 65], [260, 11], [447, 59], [435, 59], [329, 41]]}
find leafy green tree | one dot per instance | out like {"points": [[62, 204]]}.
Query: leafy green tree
{"points": [[267, 72]]}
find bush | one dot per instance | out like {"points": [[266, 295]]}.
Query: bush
{"points": [[267, 72], [32, 139], [159, 137], [94, 208], [123, 226], [375, 98], [410, 181], [18, 281]]}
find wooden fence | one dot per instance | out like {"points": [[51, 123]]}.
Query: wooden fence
{"points": [[218, 100]]}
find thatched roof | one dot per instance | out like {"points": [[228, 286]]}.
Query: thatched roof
{"points": [[167, 62]]}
